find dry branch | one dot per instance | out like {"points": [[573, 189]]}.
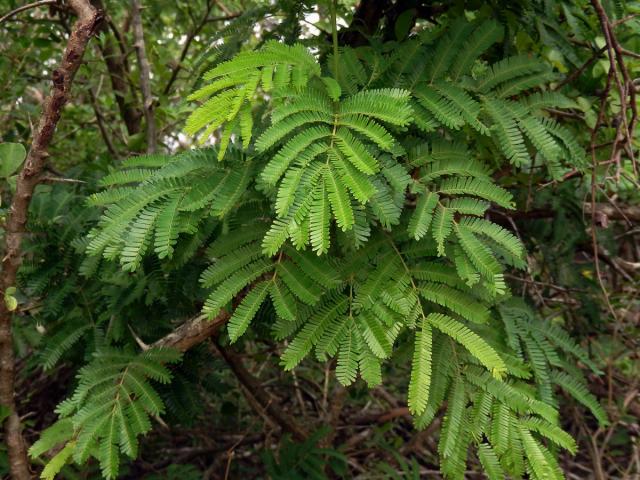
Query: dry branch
{"points": [[193, 332], [28, 6]]}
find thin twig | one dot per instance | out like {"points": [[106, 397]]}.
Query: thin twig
{"points": [[190, 37], [544, 284], [576, 73], [28, 6], [55, 179], [624, 20]]}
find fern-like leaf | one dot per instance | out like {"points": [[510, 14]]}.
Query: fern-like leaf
{"points": [[247, 309], [421, 369], [471, 341]]}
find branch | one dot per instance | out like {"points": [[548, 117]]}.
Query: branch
{"points": [[114, 54], [197, 329], [252, 387], [380, 417], [118, 73], [607, 211], [370, 13], [626, 129], [27, 7], [88, 20], [145, 73], [577, 73], [193, 332], [600, 210], [50, 179], [418, 9]]}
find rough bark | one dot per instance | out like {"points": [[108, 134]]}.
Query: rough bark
{"points": [[145, 74], [88, 20]]}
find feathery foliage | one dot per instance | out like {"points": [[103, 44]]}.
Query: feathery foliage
{"points": [[348, 204], [112, 406]]}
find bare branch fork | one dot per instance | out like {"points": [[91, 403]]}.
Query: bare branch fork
{"points": [[88, 20], [191, 36]]}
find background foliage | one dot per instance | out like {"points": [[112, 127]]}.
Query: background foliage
{"points": [[82, 320]]}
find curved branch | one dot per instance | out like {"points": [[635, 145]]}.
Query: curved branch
{"points": [[28, 6]]}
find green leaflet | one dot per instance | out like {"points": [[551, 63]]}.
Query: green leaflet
{"points": [[480, 255], [308, 336], [485, 35], [54, 466], [319, 218], [356, 152], [505, 238], [490, 462], [421, 369], [423, 214], [247, 309], [373, 333], [471, 341], [339, 199], [283, 301], [347, 364], [442, 225], [455, 300], [477, 187]]}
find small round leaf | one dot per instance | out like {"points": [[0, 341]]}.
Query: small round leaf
{"points": [[11, 157], [11, 302]]}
